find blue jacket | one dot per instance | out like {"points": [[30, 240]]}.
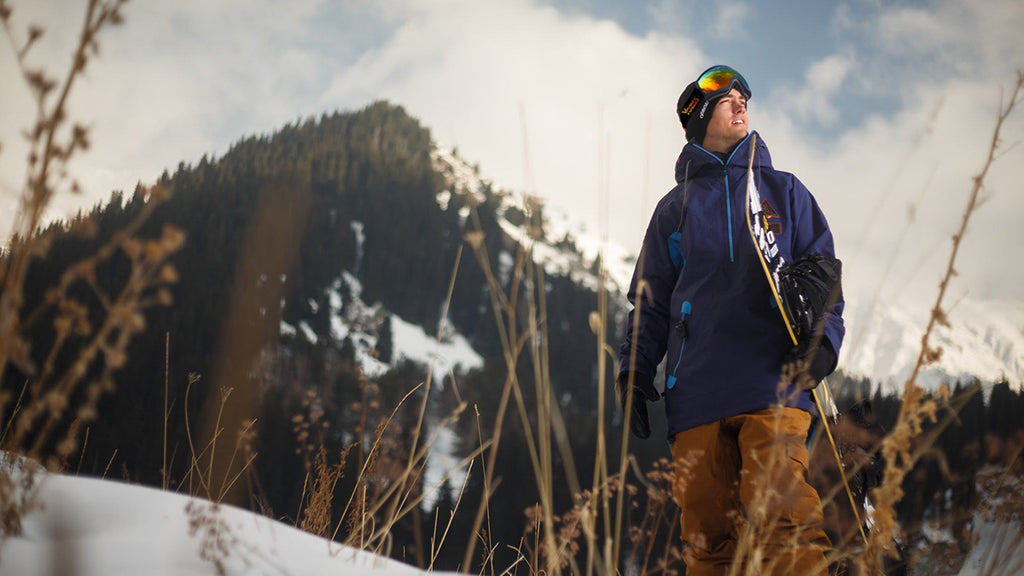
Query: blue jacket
{"points": [[726, 356]]}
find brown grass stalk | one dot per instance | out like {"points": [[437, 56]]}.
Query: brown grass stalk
{"points": [[316, 516], [540, 444], [436, 546], [916, 408]]}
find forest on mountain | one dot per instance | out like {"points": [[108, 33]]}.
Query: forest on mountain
{"points": [[214, 398]]}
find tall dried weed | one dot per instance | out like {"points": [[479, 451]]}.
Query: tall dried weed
{"points": [[87, 349]]}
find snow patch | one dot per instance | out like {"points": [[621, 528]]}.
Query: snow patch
{"points": [[451, 354], [443, 198], [286, 329], [361, 324], [308, 332], [460, 177], [441, 463], [358, 230]]}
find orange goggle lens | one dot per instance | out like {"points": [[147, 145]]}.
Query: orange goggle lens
{"points": [[719, 77]]}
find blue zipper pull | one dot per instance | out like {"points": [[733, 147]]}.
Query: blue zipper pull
{"points": [[681, 331]]}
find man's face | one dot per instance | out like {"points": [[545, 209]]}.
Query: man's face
{"points": [[729, 123]]}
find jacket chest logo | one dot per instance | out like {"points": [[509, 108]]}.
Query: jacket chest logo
{"points": [[772, 220]]}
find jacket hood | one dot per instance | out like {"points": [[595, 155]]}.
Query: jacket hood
{"points": [[695, 159]]}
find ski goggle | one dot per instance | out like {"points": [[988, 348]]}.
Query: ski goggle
{"points": [[722, 77]]}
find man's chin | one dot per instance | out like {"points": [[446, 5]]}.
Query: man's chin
{"points": [[738, 137]]}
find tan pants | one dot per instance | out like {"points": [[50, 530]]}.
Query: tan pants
{"points": [[741, 484]]}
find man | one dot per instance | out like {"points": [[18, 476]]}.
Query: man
{"points": [[700, 293]]}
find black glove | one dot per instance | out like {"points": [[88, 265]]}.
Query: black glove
{"points": [[806, 287], [643, 392], [811, 371]]}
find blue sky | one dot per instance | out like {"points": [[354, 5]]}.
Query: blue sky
{"points": [[883, 109]]}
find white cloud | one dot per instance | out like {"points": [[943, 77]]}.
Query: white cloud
{"points": [[732, 18], [178, 80], [815, 99], [913, 29], [668, 15]]}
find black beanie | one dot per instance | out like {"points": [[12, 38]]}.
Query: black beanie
{"points": [[696, 111]]}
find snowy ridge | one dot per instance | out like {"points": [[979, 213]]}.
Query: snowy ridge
{"points": [[985, 340], [565, 247]]}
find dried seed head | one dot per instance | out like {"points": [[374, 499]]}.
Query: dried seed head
{"points": [[66, 447], [82, 326], [138, 322], [132, 247], [116, 359], [153, 250], [56, 403], [173, 238], [475, 239], [62, 324], [87, 414], [164, 298], [169, 274]]}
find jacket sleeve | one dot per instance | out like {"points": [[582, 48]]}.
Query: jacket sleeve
{"points": [[648, 322], [813, 235]]}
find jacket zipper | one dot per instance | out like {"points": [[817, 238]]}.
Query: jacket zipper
{"points": [[728, 209], [684, 311], [728, 195]]}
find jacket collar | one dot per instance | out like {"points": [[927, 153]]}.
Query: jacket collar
{"points": [[694, 159]]}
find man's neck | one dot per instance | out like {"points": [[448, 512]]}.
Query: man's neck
{"points": [[720, 146], [723, 154]]}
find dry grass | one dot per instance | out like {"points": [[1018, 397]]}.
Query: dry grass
{"points": [[317, 517]]}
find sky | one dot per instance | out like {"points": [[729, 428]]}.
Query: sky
{"points": [[883, 109]]}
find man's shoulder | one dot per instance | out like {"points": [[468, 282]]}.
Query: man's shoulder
{"points": [[782, 181], [672, 199]]}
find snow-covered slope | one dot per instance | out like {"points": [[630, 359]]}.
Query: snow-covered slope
{"points": [[91, 527], [362, 325], [985, 340]]}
